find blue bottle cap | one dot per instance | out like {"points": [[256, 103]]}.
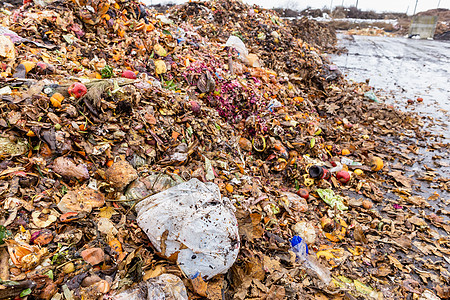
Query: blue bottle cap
{"points": [[297, 240]]}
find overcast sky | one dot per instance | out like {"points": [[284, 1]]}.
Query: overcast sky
{"points": [[377, 5]]}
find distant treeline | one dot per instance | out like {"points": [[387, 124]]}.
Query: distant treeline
{"points": [[338, 12]]}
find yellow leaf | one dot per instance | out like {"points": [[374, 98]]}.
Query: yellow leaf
{"points": [[107, 212], [156, 271], [336, 235], [362, 288], [326, 253], [357, 251], [338, 284], [29, 65], [34, 50], [395, 262]]}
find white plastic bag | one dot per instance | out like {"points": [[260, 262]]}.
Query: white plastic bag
{"points": [[194, 220], [164, 287], [238, 44], [251, 60]]}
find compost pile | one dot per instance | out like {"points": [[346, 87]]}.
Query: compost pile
{"points": [[315, 33], [104, 103], [277, 42]]}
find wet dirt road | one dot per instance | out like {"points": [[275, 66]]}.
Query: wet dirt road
{"points": [[400, 69], [404, 69]]}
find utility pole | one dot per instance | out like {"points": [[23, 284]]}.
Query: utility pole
{"points": [[439, 3], [357, 3], [331, 5], [415, 7]]}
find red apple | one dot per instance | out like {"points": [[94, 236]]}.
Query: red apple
{"points": [[77, 90], [343, 176]]}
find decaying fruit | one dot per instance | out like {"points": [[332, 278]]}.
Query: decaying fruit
{"points": [[304, 193], [358, 172], [195, 107], [56, 99], [343, 176], [377, 164], [245, 144], [345, 152], [129, 74], [77, 90], [42, 237], [44, 68], [327, 224], [367, 204], [120, 174]]}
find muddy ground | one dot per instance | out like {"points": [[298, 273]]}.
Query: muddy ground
{"points": [[405, 69]]}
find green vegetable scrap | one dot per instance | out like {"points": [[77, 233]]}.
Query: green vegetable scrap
{"points": [[107, 72], [4, 233], [331, 199]]}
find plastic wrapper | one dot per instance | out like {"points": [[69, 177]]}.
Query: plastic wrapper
{"points": [[306, 230], [154, 183], [14, 37], [195, 222], [371, 95]]}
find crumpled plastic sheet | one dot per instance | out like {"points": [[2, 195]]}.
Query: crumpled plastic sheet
{"points": [[194, 220]]}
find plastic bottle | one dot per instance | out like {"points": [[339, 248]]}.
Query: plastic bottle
{"points": [[309, 261], [319, 172]]}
